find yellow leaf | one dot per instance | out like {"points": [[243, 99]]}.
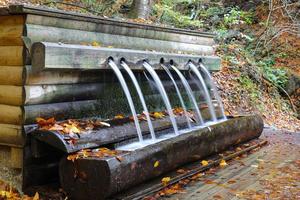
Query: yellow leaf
{"points": [[158, 115], [223, 163], [95, 44], [120, 116], [165, 180], [36, 196], [156, 164], [204, 162]]}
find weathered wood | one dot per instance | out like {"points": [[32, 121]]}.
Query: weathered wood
{"points": [[107, 136], [11, 114], [121, 29], [11, 55], [60, 76], [11, 135], [70, 36], [26, 9], [12, 20], [11, 75], [137, 166], [47, 55], [11, 95], [16, 157], [11, 30]]}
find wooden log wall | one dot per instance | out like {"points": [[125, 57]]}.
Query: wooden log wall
{"points": [[27, 93], [11, 70]]}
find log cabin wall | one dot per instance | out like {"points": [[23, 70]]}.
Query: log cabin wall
{"points": [[27, 93]]}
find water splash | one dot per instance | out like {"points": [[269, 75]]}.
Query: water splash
{"points": [[121, 79], [190, 94], [206, 93], [216, 94], [179, 95], [163, 93], [141, 96]]}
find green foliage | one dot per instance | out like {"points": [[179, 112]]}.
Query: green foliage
{"points": [[250, 87], [236, 16], [277, 76], [167, 15]]}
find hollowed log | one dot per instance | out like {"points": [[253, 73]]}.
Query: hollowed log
{"points": [[99, 178]]}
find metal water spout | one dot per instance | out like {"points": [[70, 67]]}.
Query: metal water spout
{"points": [[122, 81], [141, 96], [163, 94]]}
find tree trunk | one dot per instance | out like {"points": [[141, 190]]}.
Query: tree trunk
{"points": [[141, 8]]}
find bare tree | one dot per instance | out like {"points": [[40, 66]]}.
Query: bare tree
{"points": [[141, 8]]}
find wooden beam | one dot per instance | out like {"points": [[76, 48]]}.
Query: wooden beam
{"points": [[11, 30], [34, 77], [11, 75], [11, 95], [120, 29], [11, 135], [11, 55], [39, 33], [11, 114], [47, 55], [26, 9]]}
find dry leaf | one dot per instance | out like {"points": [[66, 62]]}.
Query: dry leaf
{"points": [[204, 163], [165, 180], [223, 163]]}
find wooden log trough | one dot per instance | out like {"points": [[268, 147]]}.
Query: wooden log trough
{"points": [[98, 178]]}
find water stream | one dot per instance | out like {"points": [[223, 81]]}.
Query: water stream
{"points": [[163, 94], [216, 94], [121, 79], [190, 94], [206, 93], [179, 95], [141, 96]]}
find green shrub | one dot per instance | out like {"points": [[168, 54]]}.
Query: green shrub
{"points": [[277, 76], [167, 15]]}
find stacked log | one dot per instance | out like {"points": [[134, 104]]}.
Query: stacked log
{"points": [[11, 72], [27, 93]]}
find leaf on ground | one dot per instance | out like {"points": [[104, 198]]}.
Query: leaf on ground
{"points": [[36, 196], [204, 162], [158, 115], [119, 116], [223, 163], [95, 44], [165, 180]]}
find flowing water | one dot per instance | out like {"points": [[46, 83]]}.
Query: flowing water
{"points": [[141, 96], [206, 93], [163, 94], [121, 79], [179, 95], [216, 94], [190, 94]]}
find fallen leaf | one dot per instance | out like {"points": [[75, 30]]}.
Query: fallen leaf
{"points": [[36, 196], [204, 162], [156, 164], [165, 180], [95, 44], [158, 115], [223, 163]]}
